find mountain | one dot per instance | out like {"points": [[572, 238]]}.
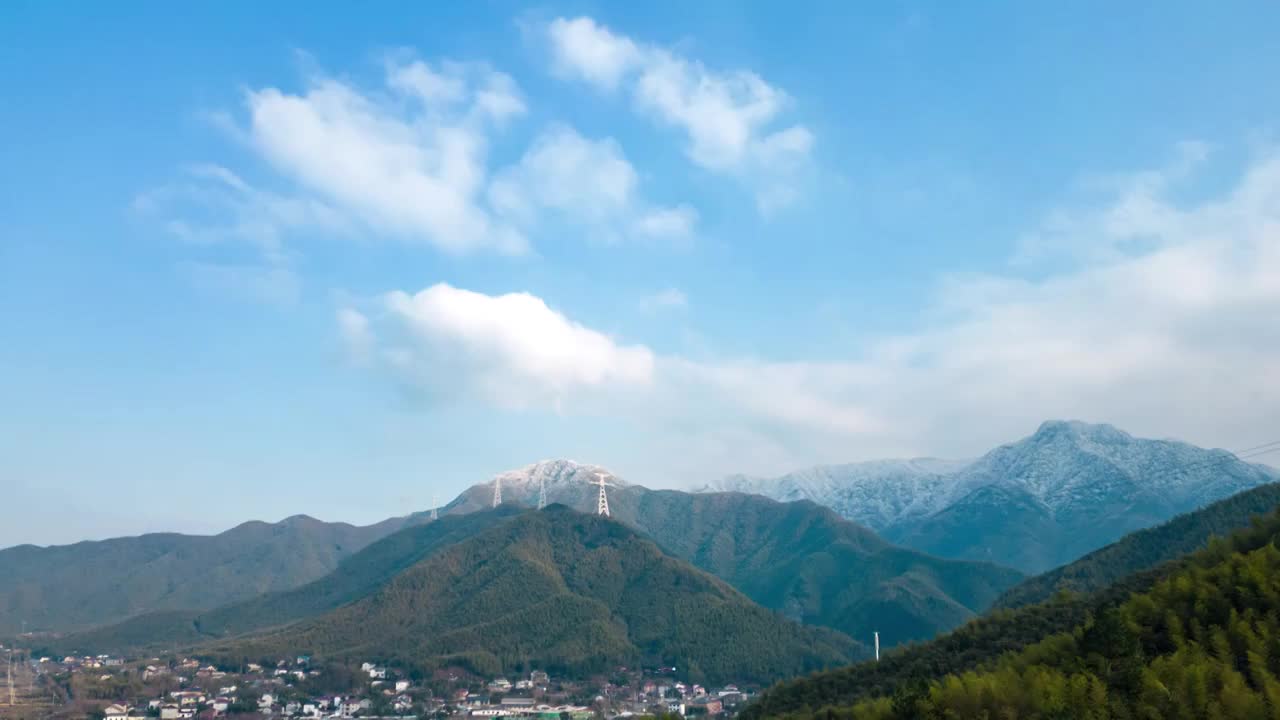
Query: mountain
{"points": [[1041, 502], [1197, 642], [814, 566], [562, 591], [566, 482], [1069, 489], [799, 558], [70, 587], [1146, 548], [878, 494], [1016, 640], [355, 577]]}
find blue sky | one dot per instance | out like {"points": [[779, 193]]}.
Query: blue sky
{"points": [[261, 261]]}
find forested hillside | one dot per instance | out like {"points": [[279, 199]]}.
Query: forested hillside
{"points": [[69, 587], [1200, 642], [1146, 548], [815, 566], [561, 591], [355, 577]]}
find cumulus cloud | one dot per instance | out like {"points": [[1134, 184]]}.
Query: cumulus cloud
{"points": [[729, 118], [1177, 337], [410, 164], [409, 159], [511, 350]]}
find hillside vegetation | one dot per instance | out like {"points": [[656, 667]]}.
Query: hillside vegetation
{"points": [[1200, 641], [814, 566], [69, 587], [561, 591], [355, 577], [1146, 548]]}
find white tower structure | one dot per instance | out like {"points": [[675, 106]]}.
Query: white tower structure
{"points": [[877, 647], [497, 491], [602, 503], [542, 492], [435, 510]]}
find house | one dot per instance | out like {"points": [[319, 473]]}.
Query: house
{"points": [[169, 711], [538, 677], [402, 685], [500, 685], [116, 712]]}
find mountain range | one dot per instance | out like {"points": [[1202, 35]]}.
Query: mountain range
{"points": [[1043, 501], [919, 566], [562, 591]]}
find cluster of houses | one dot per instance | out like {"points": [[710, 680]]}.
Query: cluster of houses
{"points": [[187, 689]]}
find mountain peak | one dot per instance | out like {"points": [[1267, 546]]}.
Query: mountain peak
{"points": [[554, 472], [1080, 430]]}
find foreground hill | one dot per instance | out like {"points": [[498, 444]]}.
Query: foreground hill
{"points": [[1146, 548], [982, 642], [562, 591], [69, 587], [798, 558], [1197, 643], [1035, 504]]}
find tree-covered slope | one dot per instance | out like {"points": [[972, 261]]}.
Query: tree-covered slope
{"points": [[814, 566], [1004, 633], [355, 577], [1201, 642], [799, 558], [70, 587], [565, 591], [1146, 548]]}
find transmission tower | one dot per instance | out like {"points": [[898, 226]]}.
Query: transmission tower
{"points": [[542, 492], [602, 503], [497, 491]]}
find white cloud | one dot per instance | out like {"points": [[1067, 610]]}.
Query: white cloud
{"points": [[729, 118], [511, 350], [408, 159], [1175, 338], [585, 182], [412, 164]]}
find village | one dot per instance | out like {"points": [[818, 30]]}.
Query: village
{"points": [[182, 688]]}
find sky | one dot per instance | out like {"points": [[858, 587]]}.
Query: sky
{"points": [[259, 260]]}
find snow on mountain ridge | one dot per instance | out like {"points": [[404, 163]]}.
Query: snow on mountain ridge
{"points": [[1066, 466], [554, 472]]}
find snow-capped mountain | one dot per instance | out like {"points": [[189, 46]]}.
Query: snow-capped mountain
{"points": [[566, 481], [878, 494], [1042, 501]]}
